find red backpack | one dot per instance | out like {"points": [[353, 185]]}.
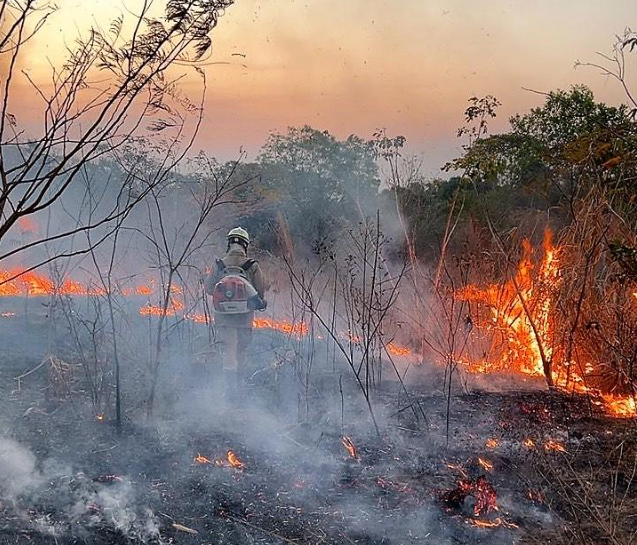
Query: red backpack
{"points": [[233, 293]]}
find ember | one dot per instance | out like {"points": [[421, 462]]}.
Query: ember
{"points": [[495, 523], [487, 466], [492, 443], [483, 493]]}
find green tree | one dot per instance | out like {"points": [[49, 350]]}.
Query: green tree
{"points": [[315, 183]]}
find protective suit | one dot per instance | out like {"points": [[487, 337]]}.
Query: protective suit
{"points": [[234, 331]]}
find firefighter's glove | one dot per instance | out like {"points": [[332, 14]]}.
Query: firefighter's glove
{"points": [[257, 303]]}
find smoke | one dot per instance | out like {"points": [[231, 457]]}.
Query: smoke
{"points": [[48, 498], [18, 472]]}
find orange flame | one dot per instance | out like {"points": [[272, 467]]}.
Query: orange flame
{"points": [[396, 350], [519, 321], [554, 446], [520, 312], [492, 443], [350, 447], [495, 523], [200, 459], [298, 329], [234, 460], [486, 465]]}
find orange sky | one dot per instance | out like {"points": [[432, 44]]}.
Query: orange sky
{"points": [[351, 66]]}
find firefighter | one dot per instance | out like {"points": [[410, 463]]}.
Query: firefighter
{"points": [[234, 331]]}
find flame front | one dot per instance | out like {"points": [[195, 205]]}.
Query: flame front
{"points": [[518, 325], [520, 312]]}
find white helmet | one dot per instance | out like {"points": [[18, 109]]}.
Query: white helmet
{"points": [[239, 235]]}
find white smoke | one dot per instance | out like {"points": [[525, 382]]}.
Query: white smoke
{"points": [[31, 488], [18, 472]]}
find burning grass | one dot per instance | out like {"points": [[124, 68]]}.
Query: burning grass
{"points": [[523, 328]]}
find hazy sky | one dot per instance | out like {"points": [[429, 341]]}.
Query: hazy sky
{"points": [[350, 66]]}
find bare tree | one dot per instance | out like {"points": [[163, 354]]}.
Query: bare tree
{"points": [[116, 87], [366, 295], [175, 238]]}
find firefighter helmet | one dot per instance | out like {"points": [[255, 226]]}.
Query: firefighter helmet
{"points": [[239, 235]]}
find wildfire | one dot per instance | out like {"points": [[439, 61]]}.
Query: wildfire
{"points": [[298, 329], [100, 417], [7, 314], [16, 282], [623, 407], [349, 447], [520, 312], [517, 324]]}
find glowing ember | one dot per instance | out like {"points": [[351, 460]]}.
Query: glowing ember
{"points": [[485, 497], [495, 523], [529, 443], [234, 461], [553, 446], [350, 447], [486, 465], [480, 489], [492, 443]]}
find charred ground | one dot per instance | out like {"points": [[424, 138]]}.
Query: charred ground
{"points": [[552, 462]]}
